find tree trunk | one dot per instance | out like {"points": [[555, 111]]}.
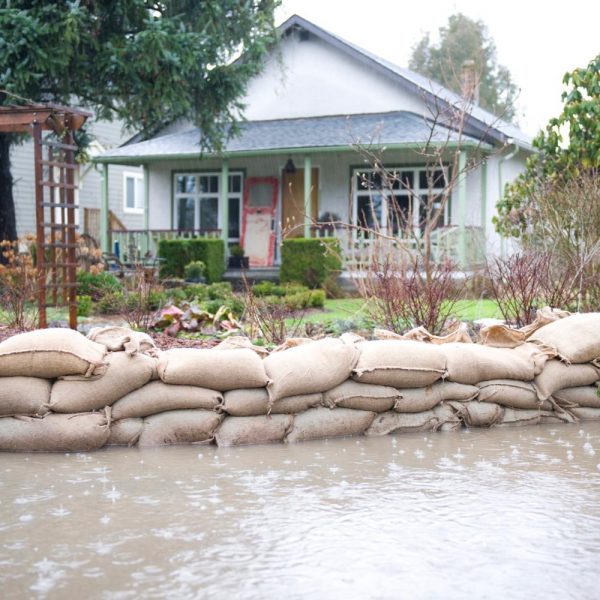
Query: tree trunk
{"points": [[8, 223]]}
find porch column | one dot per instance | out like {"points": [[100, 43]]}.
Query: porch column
{"points": [[146, 238], [307, 195], [483, 208], [224, 204], [104, 233], [462, 208]]}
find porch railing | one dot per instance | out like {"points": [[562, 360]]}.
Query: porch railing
{"points": [[133, 244], [359, 247]]}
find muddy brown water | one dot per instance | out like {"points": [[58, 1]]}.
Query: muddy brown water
{"points": [[505, 513]]}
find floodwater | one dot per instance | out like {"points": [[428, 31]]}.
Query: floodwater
{"points": [[504, 513]]}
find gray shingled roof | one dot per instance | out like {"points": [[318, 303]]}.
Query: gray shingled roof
{"points": [[396, 129]]}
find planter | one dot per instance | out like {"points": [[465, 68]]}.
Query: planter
{"points": [[239, 262]]}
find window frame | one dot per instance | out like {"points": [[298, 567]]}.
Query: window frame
{"points": [[138, 188], [198, 196], [415, 193]]}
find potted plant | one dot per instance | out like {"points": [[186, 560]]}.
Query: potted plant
{"points": [[194, 271], [237, 258]]}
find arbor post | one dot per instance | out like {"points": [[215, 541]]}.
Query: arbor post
{"points": [[307, 194]]}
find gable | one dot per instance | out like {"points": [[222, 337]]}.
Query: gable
{"points": [[306, 77]]}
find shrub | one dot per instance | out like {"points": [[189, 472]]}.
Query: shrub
{"points": [[219, 291], [97, 285], [111, 303], [312, 262], [194, 270], [175, 254], [84, 306], [267, 288]]}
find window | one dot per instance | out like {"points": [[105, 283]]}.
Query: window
{"points": [[390, 207], [196, 202], [133, 192]]}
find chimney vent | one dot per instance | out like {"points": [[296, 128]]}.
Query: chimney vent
{"points": [[469, 81]]}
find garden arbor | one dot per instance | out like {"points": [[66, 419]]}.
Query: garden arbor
{"points": [[55, 205]]}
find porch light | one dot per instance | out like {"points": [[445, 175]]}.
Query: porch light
{"points": [[290, 167]]}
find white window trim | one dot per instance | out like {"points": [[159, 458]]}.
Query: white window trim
{"points": [[415, 192], [138, 178], [198, 195]]}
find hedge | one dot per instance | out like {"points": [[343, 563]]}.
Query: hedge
{"points": [[312, 262], [176, 254]]}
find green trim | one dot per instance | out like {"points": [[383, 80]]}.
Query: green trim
{"points": [[462, 208], [104, 224], [224, 204], [307, 194], [483, 208], [140, 159]]}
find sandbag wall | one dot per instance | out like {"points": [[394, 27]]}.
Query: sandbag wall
{"points": [[61, 391]]}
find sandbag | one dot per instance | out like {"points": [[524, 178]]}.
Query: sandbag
{"points": [[309, 368], [361, 396], [24, 396], [447, 419], [586, 395], [503, 336], [395, 422], [215, 370], [514, 417], [399, 363], [239, 341], [472, 363], [125, 432], [478, 414], [254, 402], [50, 353], [511, 393], [460, 333], [190, 426], [156, 397], [123, 339], [422, 399], [318, 423], [558, 375], [54, 433], [585, 413], [242, 431], [124, 374], [576, 338]]}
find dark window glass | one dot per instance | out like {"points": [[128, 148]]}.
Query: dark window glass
{"points": [[398, 209], [436, 203], [186, 184], [234, 217], [209, 213], [369, 211], [185, 213], [437, 178], [203, 184], [214, 184], [235, 184]]}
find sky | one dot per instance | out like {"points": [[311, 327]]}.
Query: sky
{"points": [[539, 41]]}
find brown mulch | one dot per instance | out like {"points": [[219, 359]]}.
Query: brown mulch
{"points": [[165, 342]]}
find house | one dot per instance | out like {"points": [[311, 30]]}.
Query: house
{"points": [[295, 160], [125, 194]]}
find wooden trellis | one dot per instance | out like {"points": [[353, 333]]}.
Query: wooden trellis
{"points": [[55, 203]]}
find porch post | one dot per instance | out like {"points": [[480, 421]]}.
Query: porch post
{"points": [[462, 208], [104, 233], [224, 204], [307, 194], [146, 238]]}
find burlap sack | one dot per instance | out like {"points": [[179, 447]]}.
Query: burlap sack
{"points": [[422, 399], [399, 363], [125, 433], [459, 334], [24, 396], [192, 426], [394, 422], [50, 353], [124, 374], [576, 338], [478, 414], [512, 393], [216, 370], [239, 341], [514, 417], [317, 423], [585, 413], [472, 363], [361, 396], [586, 395], [503, 336], [557, 375], [309, 368], [447, 419], [123, 339], [156, 397], [254, 402], [242, 431], [54, 433], [293, 343]]}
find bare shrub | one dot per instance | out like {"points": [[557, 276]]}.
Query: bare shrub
{"points": [[141, 298]]}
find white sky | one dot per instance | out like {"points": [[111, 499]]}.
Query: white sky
{"points": [[537, 40]]}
